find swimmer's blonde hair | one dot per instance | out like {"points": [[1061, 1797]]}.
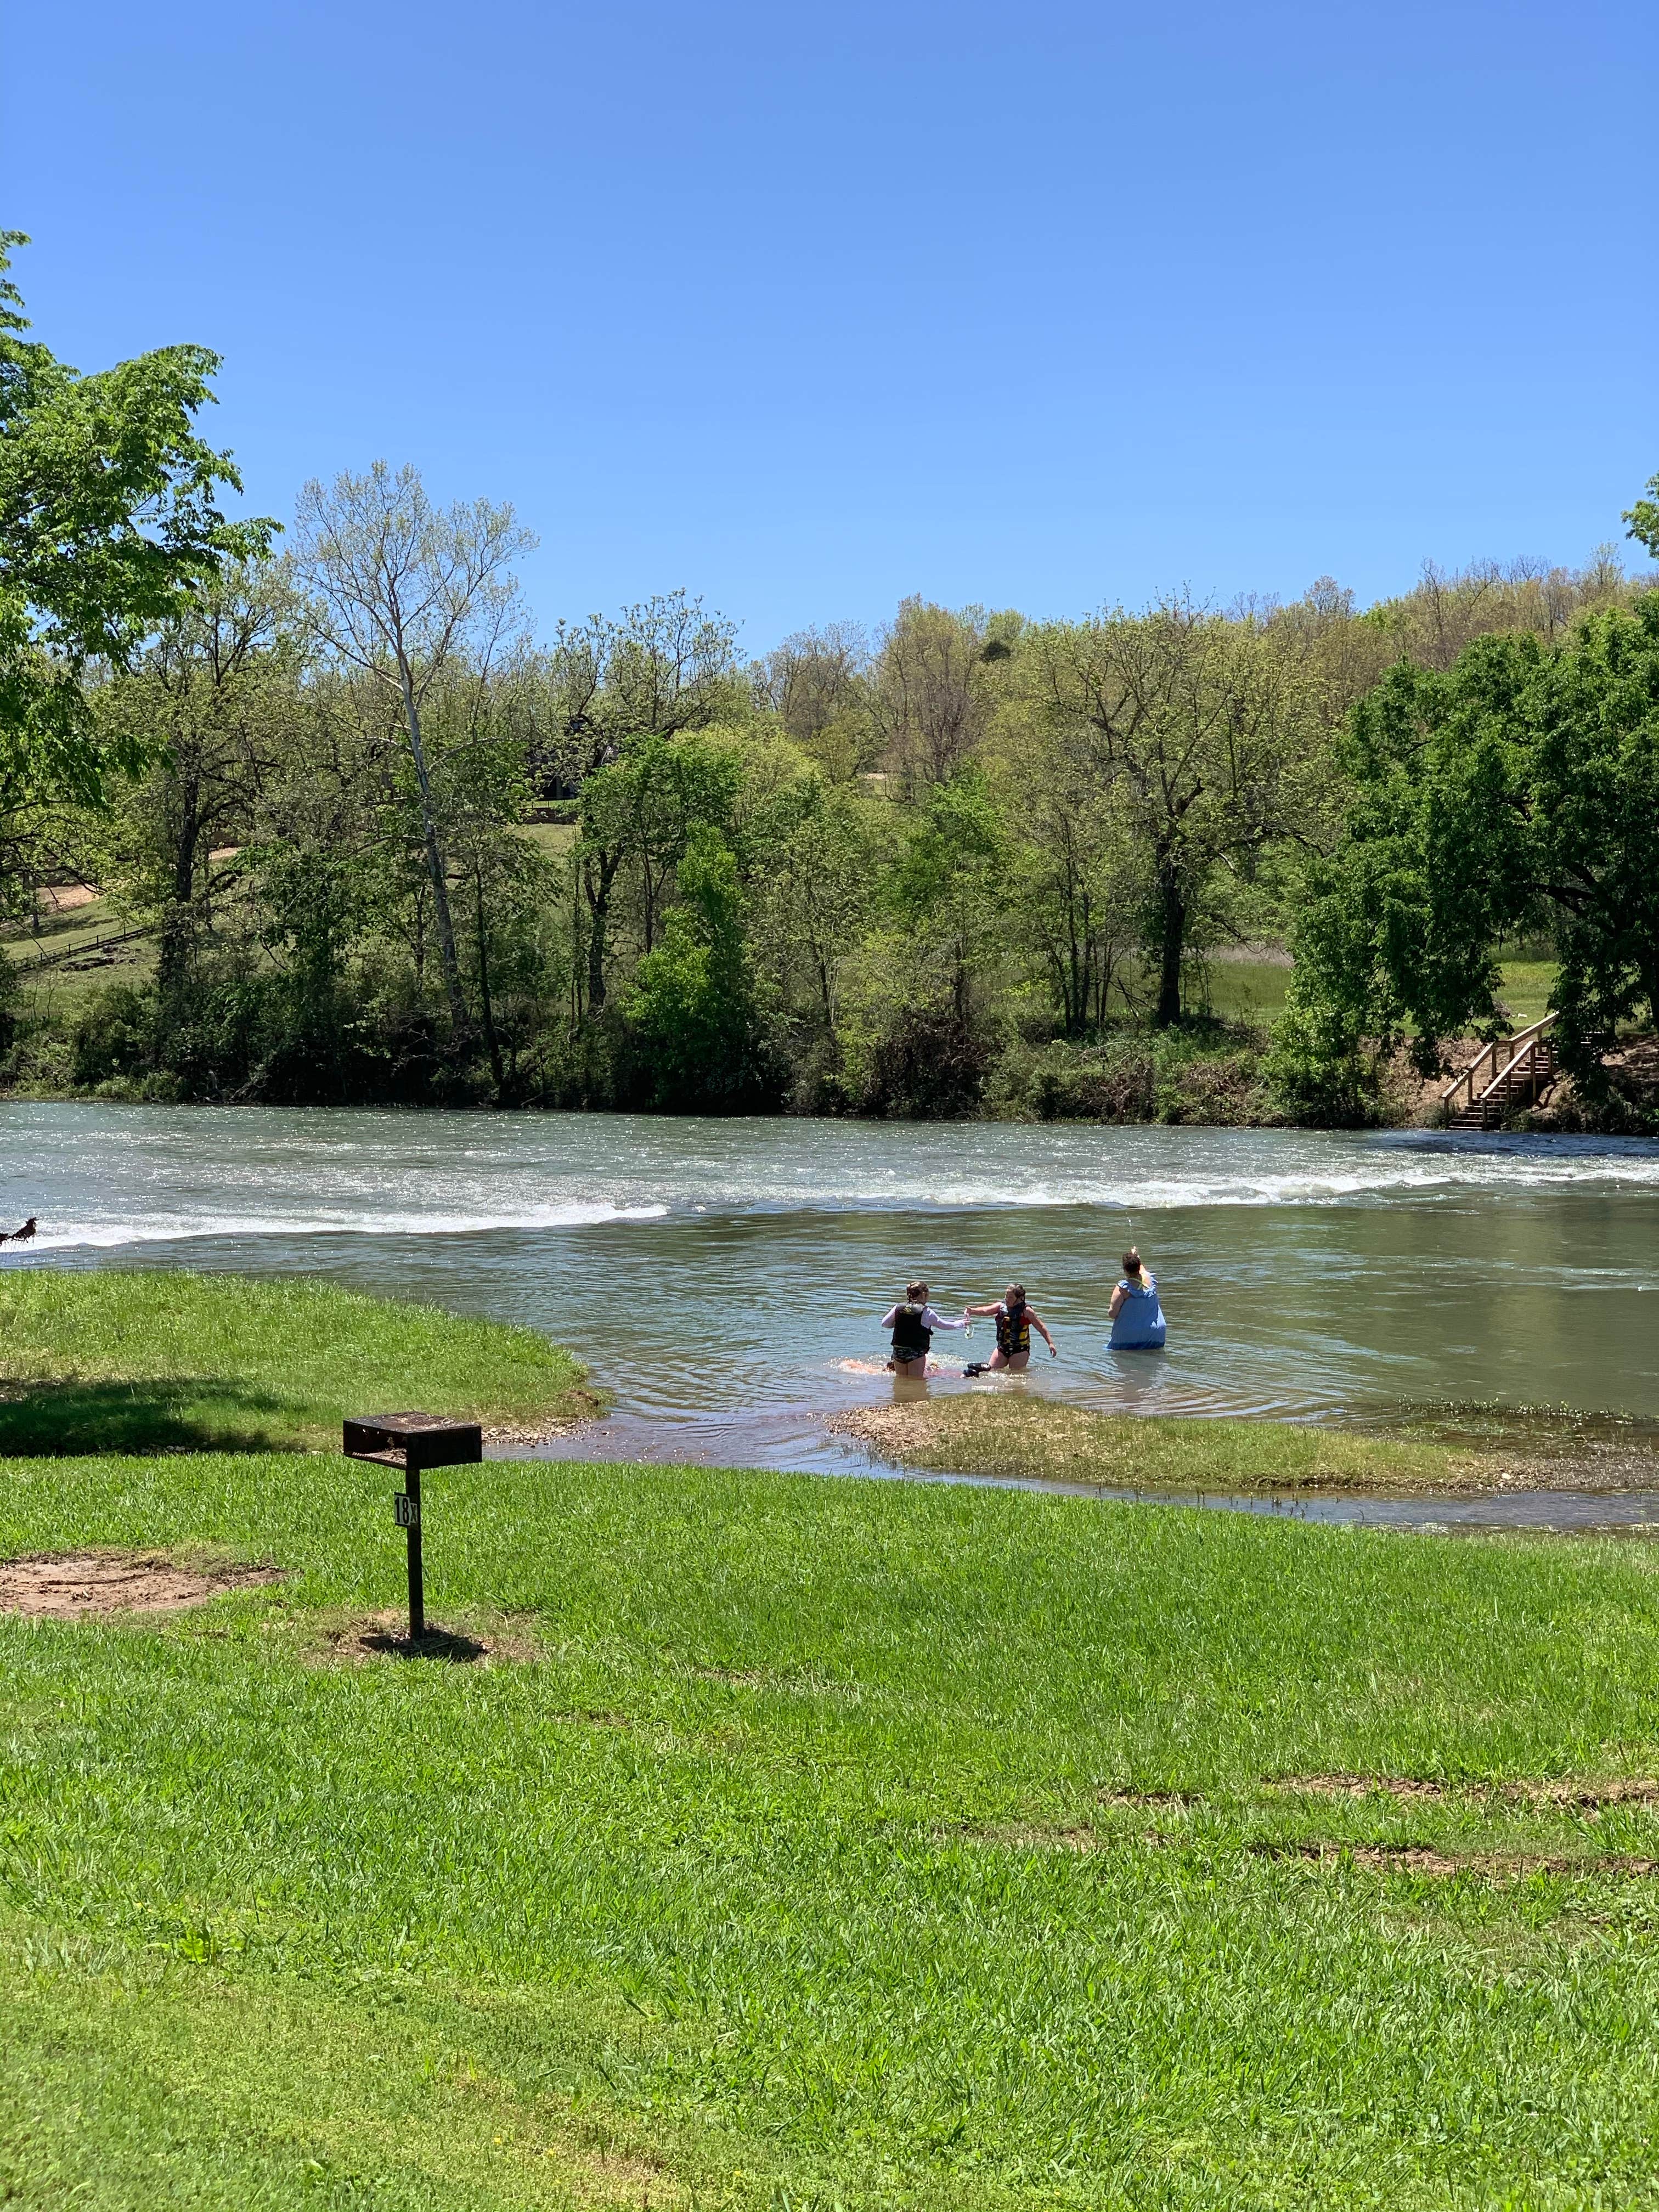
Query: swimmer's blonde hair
{"points": [[915, 1290]]}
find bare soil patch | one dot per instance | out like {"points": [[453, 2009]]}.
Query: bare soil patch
{"points": [[81, 1585], [385, 1636], [588, 1408], [1163, 1799], [1565, 1794], [1421, 1858]]}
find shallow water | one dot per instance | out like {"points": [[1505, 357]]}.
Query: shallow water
{"points": [[717, 1274]]}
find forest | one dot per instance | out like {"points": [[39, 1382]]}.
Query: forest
{"points": [[312, 814]]}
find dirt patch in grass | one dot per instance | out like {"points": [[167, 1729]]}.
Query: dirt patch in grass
{"points": [[385, 1636], [1422, 1858], [83, 1585], [1161, 1800], [1564, 1795]]}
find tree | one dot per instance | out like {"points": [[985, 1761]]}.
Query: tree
{"points": [[209, 704], [1518, 790], [816, 685], [404, 592], [1644, 519], [1072, 871], [1202, 729], [816, 887], [108, 522], [665, 666], [930, 700], [948, 883], [692, 1000], [639, 812]]}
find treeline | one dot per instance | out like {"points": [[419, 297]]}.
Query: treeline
{"points": [[391, 849], [390, 846]]}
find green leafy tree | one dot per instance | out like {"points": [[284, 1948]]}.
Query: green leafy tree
{"points": [[948, 885], [638, 813], [1201, 731], [1517, 791], [1644, 519], [692, 1001], [109, 521]]}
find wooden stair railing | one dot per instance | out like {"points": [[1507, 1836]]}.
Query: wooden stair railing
{"points": [[1508, 1071]]}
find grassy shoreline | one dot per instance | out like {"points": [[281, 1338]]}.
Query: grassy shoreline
{"points": [[1004, 1432], [137, 1360]]}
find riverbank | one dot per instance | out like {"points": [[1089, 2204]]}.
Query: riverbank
{"points": [[763, 1839], [110, 1360], [1003, 1433]]}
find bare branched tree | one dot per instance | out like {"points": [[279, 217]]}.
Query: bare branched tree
{"points": [[664, 666], [403, 592]]}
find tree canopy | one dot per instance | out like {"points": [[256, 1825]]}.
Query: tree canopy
{"points": [[1517, 791], [109, 521]]}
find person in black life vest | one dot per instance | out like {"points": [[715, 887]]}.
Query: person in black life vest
{"points": [[913, 1325], [1015, 1321]]}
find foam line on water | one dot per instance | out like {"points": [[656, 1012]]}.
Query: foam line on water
{"points": [[106, 1235]]}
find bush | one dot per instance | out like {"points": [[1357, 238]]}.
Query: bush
{"points": [[114, 1039], [1202, 1075], [1321, 1076], [928, 1066]]}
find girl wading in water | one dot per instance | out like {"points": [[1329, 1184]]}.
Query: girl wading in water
{"points": [[1015, 1321], [913, 1325], [1137, 1317]]}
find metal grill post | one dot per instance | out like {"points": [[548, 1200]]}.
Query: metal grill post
{"points": [[417, 1571]]}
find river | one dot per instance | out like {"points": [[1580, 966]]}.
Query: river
{"points": [[716, 1275]]}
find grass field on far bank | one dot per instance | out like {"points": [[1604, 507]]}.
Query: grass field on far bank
{"points": [[821, 1843], [108, 1359]]}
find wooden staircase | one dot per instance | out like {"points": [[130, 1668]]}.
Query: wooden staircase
{"points": [[1504, 1076]]}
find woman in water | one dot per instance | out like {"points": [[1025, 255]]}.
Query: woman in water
{"points": [[1015, 1321], [1137, 1317], [913, 1325]]}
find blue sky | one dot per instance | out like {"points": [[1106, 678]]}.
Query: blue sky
{"points": [[807, 308]]}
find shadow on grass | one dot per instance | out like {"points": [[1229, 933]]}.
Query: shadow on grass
{"points": [[436, 1643], [195, 1413]]}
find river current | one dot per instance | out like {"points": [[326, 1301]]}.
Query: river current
{"points": [[719, 1277]]}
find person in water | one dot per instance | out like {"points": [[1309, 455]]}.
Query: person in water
{"points": [[1137, 1317], [1015, 1321], [913, 1325]]}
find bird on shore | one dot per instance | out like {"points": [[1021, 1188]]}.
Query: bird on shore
{"points": [[23, 1236]]}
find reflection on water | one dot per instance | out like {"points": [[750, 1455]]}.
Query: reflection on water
{"points": [[717, 1275]]}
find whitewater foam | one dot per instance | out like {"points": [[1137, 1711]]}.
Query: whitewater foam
{"points": [[107, 1235]]}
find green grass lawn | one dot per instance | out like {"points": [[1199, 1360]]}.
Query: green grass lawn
{"points": [[817, 1843], [110, 1360]]}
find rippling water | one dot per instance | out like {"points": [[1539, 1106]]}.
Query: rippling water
{"points": [[716, 1274]]}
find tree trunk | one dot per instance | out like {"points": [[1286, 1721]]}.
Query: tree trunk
{"points": [[1172, 930], [434, 865], [173, 952], [490, 1038], [597, 889]]}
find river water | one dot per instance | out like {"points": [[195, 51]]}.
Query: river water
{"points": [[717, 1275]]}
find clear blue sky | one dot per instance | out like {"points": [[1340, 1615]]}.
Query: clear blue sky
{"points": [[805, 307]]}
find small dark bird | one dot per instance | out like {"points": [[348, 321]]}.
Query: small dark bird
{"points": [[23, 1236]]}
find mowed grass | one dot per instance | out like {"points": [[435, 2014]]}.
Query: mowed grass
{"points": [[817, 1849], [999, 1430], [112, 1360]]}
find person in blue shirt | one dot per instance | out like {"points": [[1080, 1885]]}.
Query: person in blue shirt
{"points": [[1137, 1317]]}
